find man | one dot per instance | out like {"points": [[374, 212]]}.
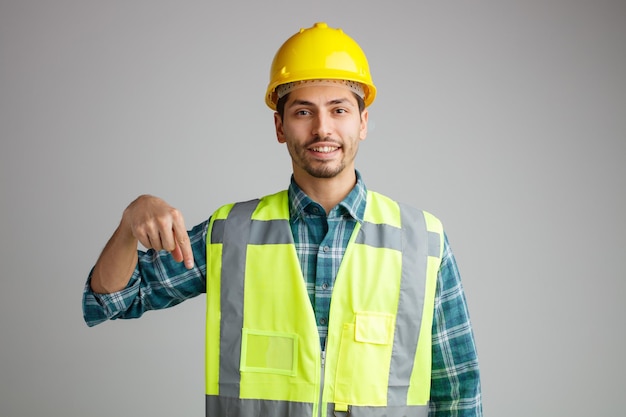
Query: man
{"points": [[396, 339]]}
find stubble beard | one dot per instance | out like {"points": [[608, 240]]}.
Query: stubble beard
{"points": [[324, 171], [316, 168]]}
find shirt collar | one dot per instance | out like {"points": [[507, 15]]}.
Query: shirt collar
{"points": [[353, 204]]}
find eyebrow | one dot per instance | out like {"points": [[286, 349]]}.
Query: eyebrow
{"points": [[309, 103]]}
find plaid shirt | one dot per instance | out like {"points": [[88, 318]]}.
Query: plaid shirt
{"points": [[159, 282]]}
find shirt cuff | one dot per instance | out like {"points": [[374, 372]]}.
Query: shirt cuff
{"points": [[98, 308]]}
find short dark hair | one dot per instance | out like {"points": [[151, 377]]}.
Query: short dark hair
{"points": [[280, 104]]}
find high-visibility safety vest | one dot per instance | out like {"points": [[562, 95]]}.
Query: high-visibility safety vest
{"points": [[263, 355]]}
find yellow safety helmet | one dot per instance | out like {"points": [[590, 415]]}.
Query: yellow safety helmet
{"points": [[319, 52]]}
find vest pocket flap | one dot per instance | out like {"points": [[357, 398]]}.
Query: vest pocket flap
{"points": [[269, 352], [374, 327]]}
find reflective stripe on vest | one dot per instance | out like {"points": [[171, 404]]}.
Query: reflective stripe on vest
{"points": [[263, 355]]}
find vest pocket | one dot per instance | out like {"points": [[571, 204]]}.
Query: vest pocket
{"points": [[269, 352], [373, 327], [364, 358]]}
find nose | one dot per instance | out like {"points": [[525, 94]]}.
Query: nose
{"points": [[322, 125]]}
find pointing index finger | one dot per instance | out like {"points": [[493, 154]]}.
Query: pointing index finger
{"points": [[183, 245]]}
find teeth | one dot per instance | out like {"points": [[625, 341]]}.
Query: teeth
{"points": [[325, 149]]}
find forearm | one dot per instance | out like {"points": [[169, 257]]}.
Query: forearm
{"points": [[116, 263]]}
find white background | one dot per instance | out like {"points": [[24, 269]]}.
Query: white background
{"points": [[504, 118]]}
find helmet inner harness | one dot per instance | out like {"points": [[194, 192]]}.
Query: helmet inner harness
{"points": [[284, 89]]}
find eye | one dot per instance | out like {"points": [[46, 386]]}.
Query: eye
{"points": [[302, 112]]}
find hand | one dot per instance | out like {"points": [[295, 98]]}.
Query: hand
{"points": [[159, 226]]}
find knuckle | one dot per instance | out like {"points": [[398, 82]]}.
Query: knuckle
{"points": [[175, 214], [140, 230], [163, 223]]}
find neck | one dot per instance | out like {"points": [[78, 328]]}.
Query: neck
{"points": [[328, 192]]}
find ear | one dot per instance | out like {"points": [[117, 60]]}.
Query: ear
{"points": [[278, 124], [363, 130]]}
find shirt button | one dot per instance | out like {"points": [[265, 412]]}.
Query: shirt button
{"points": [[325, 286], [323, 321], [326, 248]]}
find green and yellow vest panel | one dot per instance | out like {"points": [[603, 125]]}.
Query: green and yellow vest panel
{"points": [[263, 354]]}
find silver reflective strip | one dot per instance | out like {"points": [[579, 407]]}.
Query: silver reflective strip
{"points": [[380, 236], [415, 248], [270, 232], [390, 237], [236, 231], [389, 411], [217, 231], [434, 244], [219, 406]]}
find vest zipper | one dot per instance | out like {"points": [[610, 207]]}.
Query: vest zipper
{"points": [[323, 358]]}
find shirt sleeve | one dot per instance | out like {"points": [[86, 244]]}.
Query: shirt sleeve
{"points": [[158, 282], [455, 381]]}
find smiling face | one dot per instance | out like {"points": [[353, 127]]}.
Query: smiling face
{"points": [[322, 128]]}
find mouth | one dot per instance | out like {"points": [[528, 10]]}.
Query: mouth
{"points": [[324, 149], [324, 152]]}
